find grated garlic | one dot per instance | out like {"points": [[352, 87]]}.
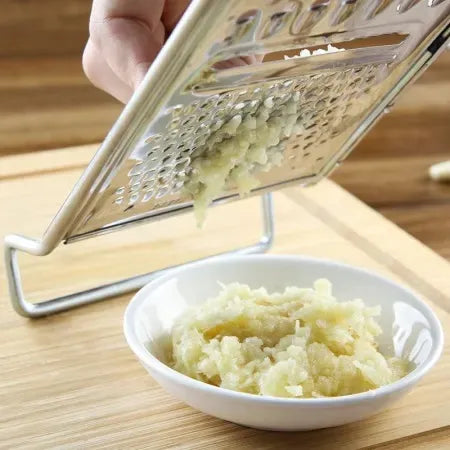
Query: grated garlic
{"points": [[299, 343], [243, 146]]}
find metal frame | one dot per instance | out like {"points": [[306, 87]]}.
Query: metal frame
{"points": [[15, 243]]}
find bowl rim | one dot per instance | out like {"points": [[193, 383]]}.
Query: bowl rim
{"points": [[147, 358]]}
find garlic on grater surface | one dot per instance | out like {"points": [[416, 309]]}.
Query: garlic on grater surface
{"points": [[243, 146]]}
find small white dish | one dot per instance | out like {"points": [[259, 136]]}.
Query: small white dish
{"points": [[410, 330]]}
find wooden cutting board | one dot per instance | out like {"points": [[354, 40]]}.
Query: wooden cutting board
{"points": [[69, 381]]}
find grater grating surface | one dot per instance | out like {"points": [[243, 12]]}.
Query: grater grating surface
{"points": [[185, 97]]}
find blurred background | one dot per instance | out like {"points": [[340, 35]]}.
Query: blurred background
{"points": [[46, 103]]}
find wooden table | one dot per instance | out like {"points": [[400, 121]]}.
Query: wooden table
{"points": [[47, 102], [69, 381]]}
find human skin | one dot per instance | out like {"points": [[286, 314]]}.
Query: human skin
{"points": [[125, 36]]}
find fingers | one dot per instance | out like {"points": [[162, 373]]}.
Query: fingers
{"points": [[125, 38], [100, 74], [146, 11], [127, 35], [128, 46]]}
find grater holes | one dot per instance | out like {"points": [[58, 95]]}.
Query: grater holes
{"points": [[242, 93], [177, 109], [310, 126], [276, 23], [136, 169], [149, 176], [199, 141], [147, 196], [135, 186], [330, 111], [321, 100], [134, 179], [203, 130], [162, 192], [174, 124], [148, 185], [165, 181], [405, 5], [182, 164], [163, 171], [133, 198], [239, 106], [190, 120], [320, 104], [333, 100], [153, 139], [177, 187], [205, 106], [152, 152], [184, 134]]}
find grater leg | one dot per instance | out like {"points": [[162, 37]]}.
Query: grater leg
{"points": [[14, 243]]}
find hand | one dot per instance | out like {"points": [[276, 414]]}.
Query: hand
{"points": [[125, 37]]}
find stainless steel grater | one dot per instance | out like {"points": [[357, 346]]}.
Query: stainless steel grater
{"points": [[199, 83]]}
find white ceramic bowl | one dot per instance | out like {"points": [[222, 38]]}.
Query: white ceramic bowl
{"points": [[410, 330]]}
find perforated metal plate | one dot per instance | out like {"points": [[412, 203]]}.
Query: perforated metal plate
{"points": [[189, 93]]}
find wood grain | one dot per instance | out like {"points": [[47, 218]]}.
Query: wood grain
{"points": [[69, 381], [430, 223], [393, 182], [30, 28], [48, 102]]}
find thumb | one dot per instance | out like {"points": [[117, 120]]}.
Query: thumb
{"points": [[128, 46]]}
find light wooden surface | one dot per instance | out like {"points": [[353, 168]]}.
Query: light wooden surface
{"points": [[47, 102], [69, 381]]}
